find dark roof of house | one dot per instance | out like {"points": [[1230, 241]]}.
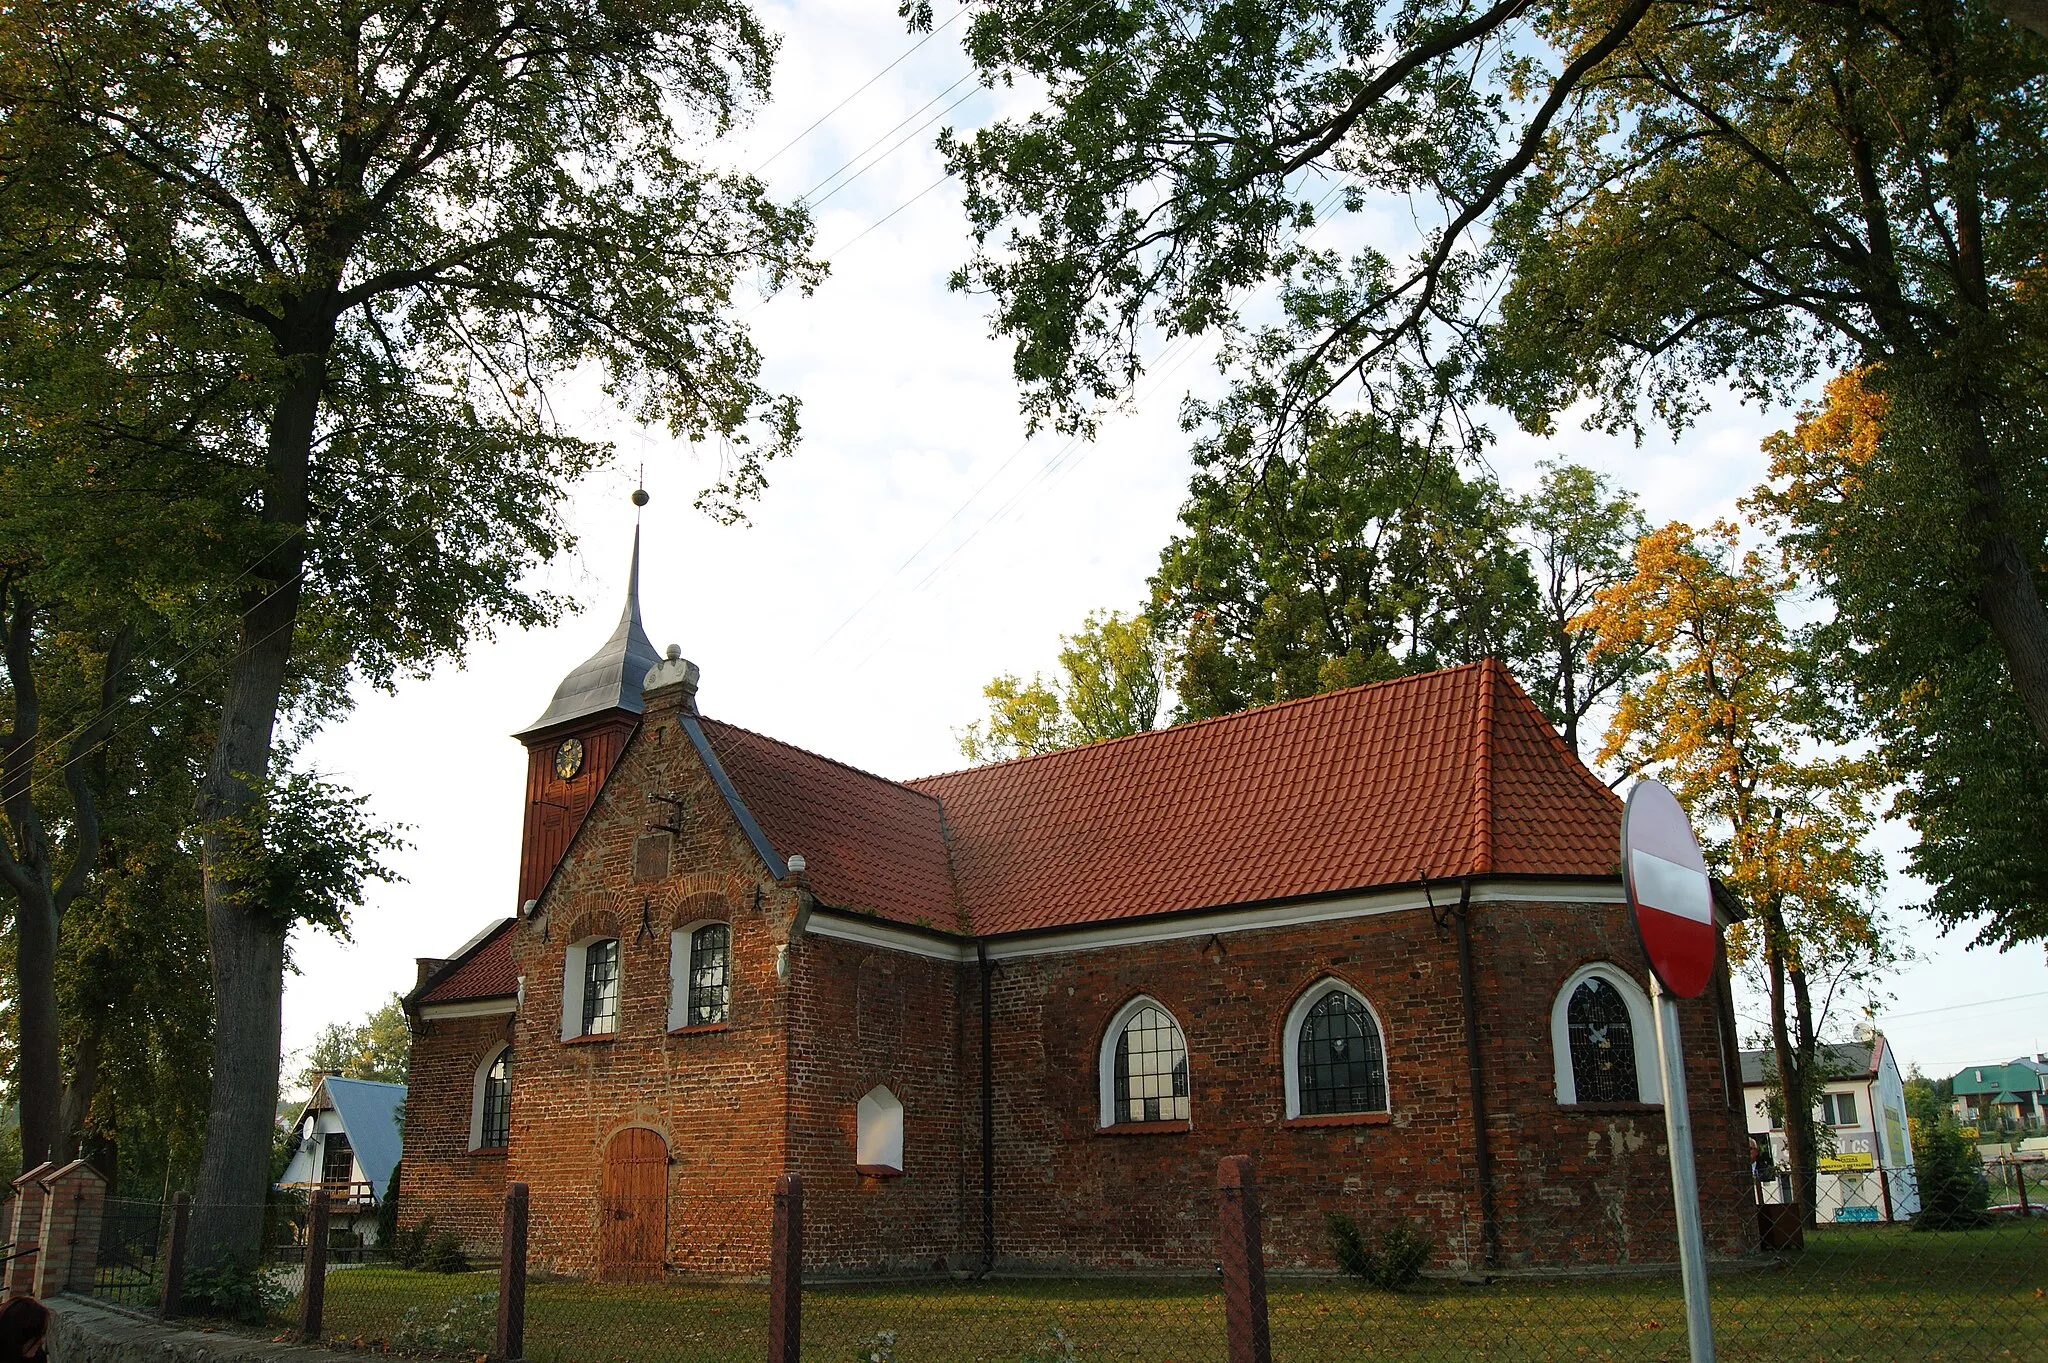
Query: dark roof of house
{"points": [[481, 971], [1437, 776], [1846, 1060]]}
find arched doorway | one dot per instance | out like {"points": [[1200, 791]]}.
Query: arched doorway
{"points": [[633, 1207]]}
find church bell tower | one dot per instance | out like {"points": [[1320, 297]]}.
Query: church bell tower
{"points": [[571, 748]]}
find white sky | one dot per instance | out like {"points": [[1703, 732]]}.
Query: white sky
{"points": [[915, 546]]}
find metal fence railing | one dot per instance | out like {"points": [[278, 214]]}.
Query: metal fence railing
{"points": [[745, 1279]]}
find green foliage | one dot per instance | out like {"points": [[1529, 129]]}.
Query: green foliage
{"points": [[880, 1349], [1370, 559], [306, 851], [468, 1324], [1114, 669], [379, 1048], [1395, 1262], [233, 1290], [1865, 515], [1927, 1100], [1582, 535], [1953, 1190], [387, 1209], [427, 1247]]}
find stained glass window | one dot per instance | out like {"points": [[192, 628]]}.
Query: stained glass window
{"points": [[1603, 1041], [1342, 1066], [497, 1123], [710, 957], [601, 987], [1151, 1069]]}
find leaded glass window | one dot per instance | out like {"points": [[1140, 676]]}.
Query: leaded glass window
{"points": [[1151, 1069], [497, 1123], [1342, 1065], [601, 987], [710, 961], [1603, 1041]]}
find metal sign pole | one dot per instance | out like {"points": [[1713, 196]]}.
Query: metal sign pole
{"points": [[1685, 1192]]}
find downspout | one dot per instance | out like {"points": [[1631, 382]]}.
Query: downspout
{"points": [[1482, 1142], [988, 1116]]}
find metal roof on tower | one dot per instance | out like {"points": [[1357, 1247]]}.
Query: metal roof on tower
{"points": [[610, 678]]}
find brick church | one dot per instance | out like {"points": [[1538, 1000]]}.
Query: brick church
{"points": [[1013, 1016]]}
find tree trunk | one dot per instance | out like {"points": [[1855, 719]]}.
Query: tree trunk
{"points": [[38, 1074], [246, 936], [78, 1094], [1809, 1082], [1791, 1081]]}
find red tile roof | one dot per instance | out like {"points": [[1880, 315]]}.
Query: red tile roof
{"points": [[485, 972], [1441, 775], [1446, 774], [867, 842]]}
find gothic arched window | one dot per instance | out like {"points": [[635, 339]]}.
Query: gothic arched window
{"points": [[1603, 1043], [1147, 1066], [1600, 1031], [1337, 1061], [491, 1121]]}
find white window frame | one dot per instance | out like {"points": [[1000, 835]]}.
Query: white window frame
{"points": [[1641, 1025], [878, 1130], [1105, 1059], [1290, 1040], [476, 1095], [574, 961], [679, 970]]}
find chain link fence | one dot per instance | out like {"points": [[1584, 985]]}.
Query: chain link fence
{"points": [[1859, 1285]]}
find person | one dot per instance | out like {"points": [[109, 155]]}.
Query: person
{"points": [[23, 1323]]}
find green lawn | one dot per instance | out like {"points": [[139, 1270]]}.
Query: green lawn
{"points": [[1862, 1294]]}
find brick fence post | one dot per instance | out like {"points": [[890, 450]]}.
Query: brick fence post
{"points": [[512, 1278], [1243, 1254], [313, 1297], [74, 1201], [786, 1272], [27, 1230], [174, 1255]]}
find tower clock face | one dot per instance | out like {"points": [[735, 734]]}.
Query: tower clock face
{"points": [[569, 758]]}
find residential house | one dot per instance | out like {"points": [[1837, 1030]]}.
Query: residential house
{"points": [[349, 1138], [2001, 1098], [1862, 1104]]}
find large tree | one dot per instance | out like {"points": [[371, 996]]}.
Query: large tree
{"points": [[1624, 202], [398, 227], [1367, 559], [1864, 513], [1724, 717]]}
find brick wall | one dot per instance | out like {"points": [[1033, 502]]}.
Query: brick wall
{"points": [[715, 1095], [872, 1017], [440, 1176], [1572, 1186]]}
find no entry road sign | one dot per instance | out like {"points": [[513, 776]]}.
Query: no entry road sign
{"points": [[1667, 884]]}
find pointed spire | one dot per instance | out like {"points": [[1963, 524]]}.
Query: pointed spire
{"points": [[611, 678]]}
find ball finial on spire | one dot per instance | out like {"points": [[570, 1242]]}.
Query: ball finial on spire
{"points": [[639, 496]]}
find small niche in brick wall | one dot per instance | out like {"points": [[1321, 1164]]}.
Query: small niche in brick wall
{"points": [[650, 857]]}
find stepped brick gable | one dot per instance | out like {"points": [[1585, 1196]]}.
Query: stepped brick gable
{"points": [[1374, 939]]}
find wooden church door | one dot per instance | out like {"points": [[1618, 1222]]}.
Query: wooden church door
{"points": [[633, 1207]]}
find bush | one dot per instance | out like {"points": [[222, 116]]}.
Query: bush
{"points": [[1953, 1191], [234, 1291], [1393, 1264], [468, 1324], [387, 1210], [444, 1255], [426, 1247]]}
